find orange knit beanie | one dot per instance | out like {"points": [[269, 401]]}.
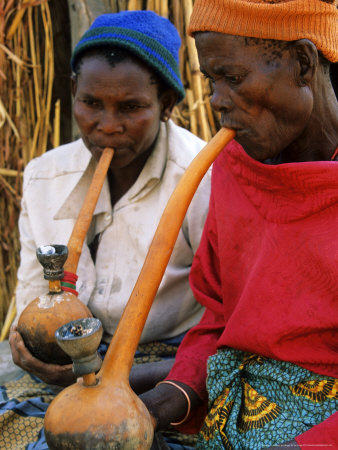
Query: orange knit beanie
{"points": [[285, 20]]}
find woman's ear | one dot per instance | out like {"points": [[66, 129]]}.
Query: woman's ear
{"points": [[168, 100], [73, 85], [307, 61]]}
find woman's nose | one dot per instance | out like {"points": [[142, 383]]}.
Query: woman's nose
{"points": [[221, 99], [109, 122]]}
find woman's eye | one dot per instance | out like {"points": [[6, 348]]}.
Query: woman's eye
{"points": [[131, 106], [208, 77], [90, 102], [234, 79]]}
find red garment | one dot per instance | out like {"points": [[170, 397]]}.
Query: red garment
{"points": [[266, 269]]}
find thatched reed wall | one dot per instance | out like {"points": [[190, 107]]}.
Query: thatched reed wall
{"points": [[26, 81]]}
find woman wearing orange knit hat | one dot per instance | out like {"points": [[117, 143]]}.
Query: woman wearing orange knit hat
{"points": [[260, 370]]}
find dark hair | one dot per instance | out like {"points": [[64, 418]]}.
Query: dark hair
{"points": [[334, 77], [112, 55], [272, 48]]}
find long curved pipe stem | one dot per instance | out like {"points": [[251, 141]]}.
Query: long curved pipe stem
{"points": [[120, 354], [85, 216]]}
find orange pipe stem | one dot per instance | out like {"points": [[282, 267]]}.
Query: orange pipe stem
{"points": [[54, 286], [89, 379], [120, 354], [85, 216]]}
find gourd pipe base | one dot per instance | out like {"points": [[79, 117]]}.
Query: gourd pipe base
{"points": [[111, 414], [40, 319]]}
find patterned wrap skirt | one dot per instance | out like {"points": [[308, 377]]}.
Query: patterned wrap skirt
{"points": [[257, 402]]}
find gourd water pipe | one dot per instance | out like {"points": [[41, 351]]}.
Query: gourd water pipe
{"points": [[45, 314]]}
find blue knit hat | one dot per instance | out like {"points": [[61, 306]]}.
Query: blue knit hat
{"points": [[152, 38]]}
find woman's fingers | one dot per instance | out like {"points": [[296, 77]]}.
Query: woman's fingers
{"points": [[49, 373]]}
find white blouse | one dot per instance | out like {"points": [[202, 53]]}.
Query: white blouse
{"points": [[55, 185]]}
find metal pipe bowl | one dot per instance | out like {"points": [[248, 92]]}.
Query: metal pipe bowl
{"points": [[80, 339]]}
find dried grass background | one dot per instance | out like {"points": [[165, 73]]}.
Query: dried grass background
{"points": [[26, 80], [26, 108]]}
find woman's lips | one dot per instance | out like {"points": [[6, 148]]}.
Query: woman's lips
{"points": [[239, 131], [117, 148]]}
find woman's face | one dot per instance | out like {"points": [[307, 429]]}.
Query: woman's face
{"points": [[117, 107], [256, 92]]}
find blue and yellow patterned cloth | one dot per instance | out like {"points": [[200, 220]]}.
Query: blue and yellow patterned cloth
{"points": [[257, 402]]}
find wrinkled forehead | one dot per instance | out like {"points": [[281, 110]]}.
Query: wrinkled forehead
{"points": [[212, 44]]}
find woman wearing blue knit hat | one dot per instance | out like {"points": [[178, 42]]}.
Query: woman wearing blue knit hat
{"points": [[151, 38], [125, 84]]}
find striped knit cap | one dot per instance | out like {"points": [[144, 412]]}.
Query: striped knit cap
{"points": [[152, 38], [285, 20]]}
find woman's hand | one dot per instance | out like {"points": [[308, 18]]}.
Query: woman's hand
{"points": [[144, 377], [168, 404], [49, 373]]}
